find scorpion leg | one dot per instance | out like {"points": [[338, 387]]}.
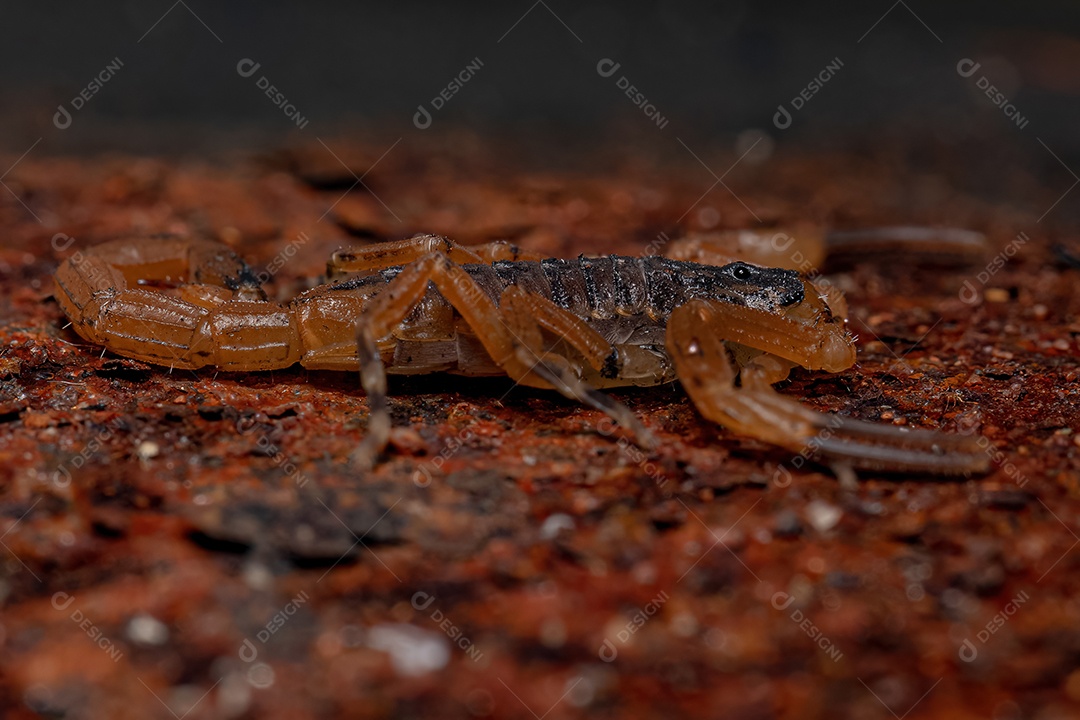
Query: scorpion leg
{"points": [[800, 247], [396, 252], [949, 246], [695, 339], [501, 250], [526, 313], [389, 308], [806, 247], [402, 252]]}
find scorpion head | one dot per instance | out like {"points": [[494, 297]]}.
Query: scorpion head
{"points": [[759, 287]]}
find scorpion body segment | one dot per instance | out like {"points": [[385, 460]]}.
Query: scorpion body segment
{"points": [[726, 330], [614, 286]]}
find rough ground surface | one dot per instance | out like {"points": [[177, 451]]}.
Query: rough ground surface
{"points": [[193, 544]]}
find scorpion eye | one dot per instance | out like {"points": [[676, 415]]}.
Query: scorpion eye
{"points": [[741, 272]]}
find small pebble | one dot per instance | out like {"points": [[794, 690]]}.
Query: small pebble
{"points": [[147, 630], [996, 295], [10, 367], [554, 524], [148, 449], [407, 441], [257, 576], [413, 652], [822, 516], [553, 633]]}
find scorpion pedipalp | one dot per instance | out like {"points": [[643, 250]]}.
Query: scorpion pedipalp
{"points": [[697, 334]]}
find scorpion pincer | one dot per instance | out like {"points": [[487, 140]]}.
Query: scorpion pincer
{"points": [[726, 330]]}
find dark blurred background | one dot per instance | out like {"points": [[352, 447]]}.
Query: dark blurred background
{"points": [[709, 69]]}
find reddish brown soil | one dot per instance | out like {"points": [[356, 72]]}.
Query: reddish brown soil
{"points": [[154, 523]]}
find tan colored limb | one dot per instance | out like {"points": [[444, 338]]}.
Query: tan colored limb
{"points": [[392, 305], [911, 243], [800, 247], [396, 252], [813, 342], [703, 249], [402, 252], [614, 365], [559, 322], [525, 314], [502, 250], [695, 339]]}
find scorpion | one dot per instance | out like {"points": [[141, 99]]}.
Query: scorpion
{"points": [[727, 329]]}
